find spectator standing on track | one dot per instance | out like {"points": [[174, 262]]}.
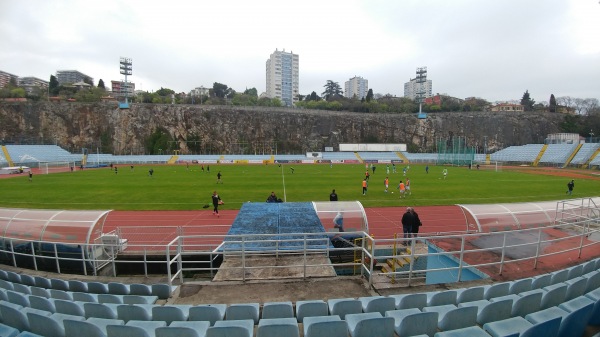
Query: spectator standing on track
{"points": [[416, 224], [570, 187], [333, 196], [408, 220], [216, 200]]}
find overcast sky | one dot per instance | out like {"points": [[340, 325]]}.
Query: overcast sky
{"points": [[490, 49]]}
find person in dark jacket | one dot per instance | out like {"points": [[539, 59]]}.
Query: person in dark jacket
{"points": [[408, 220], [417, 223], [216, 201]]}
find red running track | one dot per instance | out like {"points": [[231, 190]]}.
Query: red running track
{"points": [[160, 226]]}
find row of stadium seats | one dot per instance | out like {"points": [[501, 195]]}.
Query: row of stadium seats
{"points": [[571, 294]]}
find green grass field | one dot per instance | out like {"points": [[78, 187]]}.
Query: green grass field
{"points": [[177, 188]]}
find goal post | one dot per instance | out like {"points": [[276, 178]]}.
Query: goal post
{"points": [[498, 166], [55, 167]]}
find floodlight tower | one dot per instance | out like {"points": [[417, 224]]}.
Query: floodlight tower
{"points": [[421, 79], [126, 69]]}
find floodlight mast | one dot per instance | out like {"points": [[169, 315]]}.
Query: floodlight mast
{"points": [[421, 79], [126, 69]]}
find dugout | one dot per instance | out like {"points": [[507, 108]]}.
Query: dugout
{"points": [[353, 212], [55, 239], [488, 218]]}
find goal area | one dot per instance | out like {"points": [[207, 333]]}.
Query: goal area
{"points": [[56, 166]]}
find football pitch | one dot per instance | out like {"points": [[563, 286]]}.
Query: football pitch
{"points": [[181, 187]]}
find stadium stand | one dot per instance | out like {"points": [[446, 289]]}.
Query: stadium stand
{"points": [[520, 154], [557, 153], [26, 154], [499, 315]]}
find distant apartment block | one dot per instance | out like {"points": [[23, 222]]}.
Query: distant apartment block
{"points": [[356, 87], [72, 76], [412, 88], [508, 107], [6, 77], [282, 70], [33, 85], [120, 89]]}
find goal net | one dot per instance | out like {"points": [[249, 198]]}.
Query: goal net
{"points": [[55, 167], [498, 166]]}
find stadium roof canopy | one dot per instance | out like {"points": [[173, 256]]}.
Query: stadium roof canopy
{"points": [[59, 226], [503, 217]]}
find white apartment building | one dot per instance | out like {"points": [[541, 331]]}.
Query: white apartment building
{"points": [[356, 87], [282, 77], [72, 76], [33, 85], [412, 88]]}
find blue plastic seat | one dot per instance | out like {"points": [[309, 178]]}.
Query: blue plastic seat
{"points": [[16, 316], [110, 298], [162, 290], [242, 311], [27, 280], [100, 310], [102, 323], [575, 287], [469, 294], [42, 282], [42, 292], [13, 277], [496, 290], [69, 307], [277, 327], [344, 306], [7, 331], [170, 313], [559, 276], [450, 317], [575, 271], [441, 297], [595, 296], [324, 326], [379, 304], [78, 286], [134, 312], [207, 312], [311, 308], [409, 301], [97, 288], [140, 289], [490, 311], [411, 322], [134, 329], [82, 328], [519, 326], [370, 324], [277, 310], [572, 323], [519, 286], [21, 288], [17, 298], [231, 328], [118, 288], [42, 303], [541, 281], [59, 284], [6, 285], [49, 326], [139, 299], [85, 297], [61, 295], [472, 331]]}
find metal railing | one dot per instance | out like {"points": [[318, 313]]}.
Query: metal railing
{"points": [[186, 255]]}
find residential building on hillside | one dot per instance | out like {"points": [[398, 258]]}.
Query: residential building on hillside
{"points": [[282, 70], [72, 76], [508, 107], [200, 91], [356, 87], [33, 85], [120, 89], [6, 77], [412, 88]]}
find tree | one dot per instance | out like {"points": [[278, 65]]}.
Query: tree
{"points": [[158, 142], [312, 97], [332, 89], [221, 90], [165, 92], [369, 95], [527, 102], [251, 92], [53, 85], [552, 105], [101, 84]]}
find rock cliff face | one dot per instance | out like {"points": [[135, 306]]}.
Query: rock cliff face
{"points": [[226, 129]]}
